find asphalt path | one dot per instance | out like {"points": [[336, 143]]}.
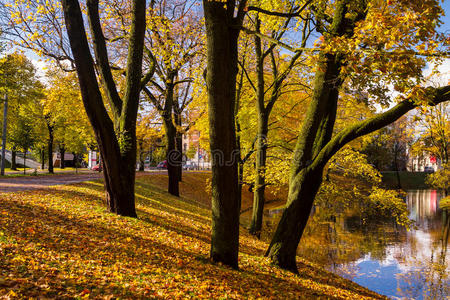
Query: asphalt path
{"points": [[15, 184]]}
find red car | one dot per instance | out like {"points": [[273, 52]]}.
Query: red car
{"points": [[162, 165], [97, 168]]}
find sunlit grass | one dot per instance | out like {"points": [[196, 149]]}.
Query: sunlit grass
{"points": [[62, 243]]}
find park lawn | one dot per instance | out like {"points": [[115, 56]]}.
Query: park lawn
{"points": [[57, 171], [61, 243]]}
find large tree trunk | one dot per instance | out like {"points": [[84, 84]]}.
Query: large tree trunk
{"points": [[172, 157], [261, 143], [283, 247], [116, 140], [316, 132], [305, 179], [179, 147], [173, 154], [222, 28], [13, 159], [260, 177]]}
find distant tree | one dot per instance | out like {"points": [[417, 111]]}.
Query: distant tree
{"points": [[433, 126], [24, 92], [57, 30], [63, 111]]}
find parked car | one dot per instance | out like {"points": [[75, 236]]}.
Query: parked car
{"points": [[162, 165], [97, 168], [190, 165], [428, 170]]}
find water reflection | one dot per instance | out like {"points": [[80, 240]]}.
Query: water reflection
{"points": [[380, 255]]}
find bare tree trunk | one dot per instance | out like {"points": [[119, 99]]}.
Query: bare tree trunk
{"points": [[116, 138], [222, 27], [50, 146], [62, 153], [13, 159], [43, 158]]}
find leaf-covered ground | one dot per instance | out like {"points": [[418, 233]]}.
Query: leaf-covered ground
{"points": [[61, 243]]}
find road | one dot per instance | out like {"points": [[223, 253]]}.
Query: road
{"points": [[19, 159], [14, 184]]}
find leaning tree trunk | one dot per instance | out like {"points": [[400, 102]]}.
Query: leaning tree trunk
{"points": [[302, 192], [316, 132], [13, 160], [306, 174], [116, 139], [222, 31]]}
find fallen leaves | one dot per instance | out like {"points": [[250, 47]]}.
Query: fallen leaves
{"points": [[61, 243]]}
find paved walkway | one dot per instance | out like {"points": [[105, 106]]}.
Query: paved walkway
{"points": [[14, 184]]}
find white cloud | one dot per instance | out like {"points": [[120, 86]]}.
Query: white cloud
{"points": [[442, 77], [41, 69]]}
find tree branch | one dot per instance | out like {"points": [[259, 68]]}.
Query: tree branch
{"points": [[101, 55], [377, 122], [296, 13]]}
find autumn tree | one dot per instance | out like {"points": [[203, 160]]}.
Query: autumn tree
{"points": [[42, 26], [223, 22], [64, 114], [175, 43], [434, 128], [353, 30], [269, 90], [146, 135], [24, 91]]}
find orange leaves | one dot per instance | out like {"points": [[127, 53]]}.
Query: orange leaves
{"points": [[61, 243]]}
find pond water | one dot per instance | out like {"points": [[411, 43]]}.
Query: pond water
{"points": [[380, 255]]}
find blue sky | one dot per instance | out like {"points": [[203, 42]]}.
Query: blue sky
{"points": [[446, 19], [444, 28]]}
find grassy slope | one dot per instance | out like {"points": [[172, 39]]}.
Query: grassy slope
{"points": [[61, 243]]}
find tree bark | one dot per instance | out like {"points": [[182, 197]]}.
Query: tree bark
{"points": [[50, 145], [306, 169], [305, 179], [261, 142], [264, 110], [13, 160], [116, 140], [260, 177], [173, 154], [222, 31], [62, 153], [24, 161], [43, 158], [172, 157], [179, 145]]}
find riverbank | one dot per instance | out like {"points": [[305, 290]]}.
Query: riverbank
{"points": [[61, 243], [408, 180]]}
